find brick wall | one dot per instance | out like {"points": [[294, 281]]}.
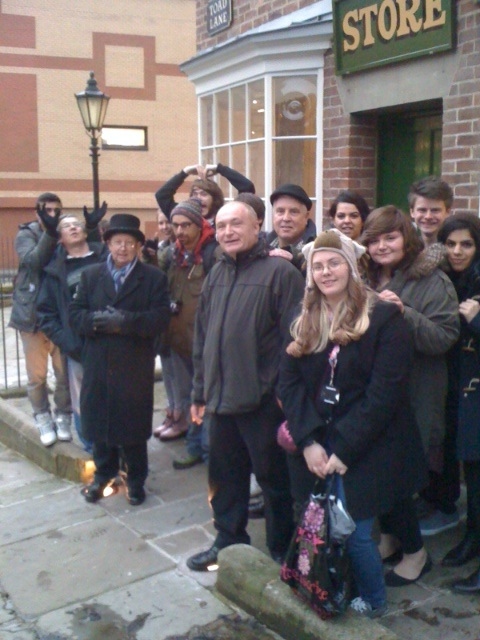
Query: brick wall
{"points": [[350, 141], [461, 122], [349, 145], [247, 14]]}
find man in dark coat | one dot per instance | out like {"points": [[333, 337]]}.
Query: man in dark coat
{"points": [[241, 323], [120, 307], [61, 277]]}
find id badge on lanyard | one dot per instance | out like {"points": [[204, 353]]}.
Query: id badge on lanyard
{"points": [[328, 392]]}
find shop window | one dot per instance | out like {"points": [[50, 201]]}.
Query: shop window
{"points": [[124, 138], [265, 129]]}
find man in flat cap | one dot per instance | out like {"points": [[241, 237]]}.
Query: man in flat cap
{"points": [[119, 308], [292, 226]]}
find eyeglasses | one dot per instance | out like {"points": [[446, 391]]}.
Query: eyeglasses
{"points": [[67, 225], [128, 244], [332, 265], [181, 225]]}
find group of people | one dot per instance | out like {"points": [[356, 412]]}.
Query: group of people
{"points": [[364, 337]]}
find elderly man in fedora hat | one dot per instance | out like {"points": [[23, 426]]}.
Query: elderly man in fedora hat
{"points": [[119, 308]]}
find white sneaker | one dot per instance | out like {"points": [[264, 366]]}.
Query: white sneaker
{"points": [[365, 608], [46, 428], [63, 422]]}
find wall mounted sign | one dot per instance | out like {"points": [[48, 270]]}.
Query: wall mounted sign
{"points": [[378, 32], [219, 15]]}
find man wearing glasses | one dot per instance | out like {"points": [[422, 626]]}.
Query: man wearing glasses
{"points": [[119, 308], [62, 275]]}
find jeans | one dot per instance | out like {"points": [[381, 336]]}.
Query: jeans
{"points": [[198, 440], [367, 567], [75, 377], [168, 379], [37, 347], [182, 377]]}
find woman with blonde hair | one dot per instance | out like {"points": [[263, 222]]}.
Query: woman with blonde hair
{"points": [[343, 384]]}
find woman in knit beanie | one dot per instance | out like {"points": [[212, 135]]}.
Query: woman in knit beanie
{"points": [[343, 386]]}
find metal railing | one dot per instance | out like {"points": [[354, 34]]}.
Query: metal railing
{"points": [[12, 371]]}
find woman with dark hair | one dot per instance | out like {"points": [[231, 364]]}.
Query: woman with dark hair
{"points": [[344, 393], [203, 188], [460, 234], [403, 273], [348, 213]]}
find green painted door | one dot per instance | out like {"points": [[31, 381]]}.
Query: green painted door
{"points": [[409, 148]]}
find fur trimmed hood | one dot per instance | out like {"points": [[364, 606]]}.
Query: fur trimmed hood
{"points": [[431, 258]]}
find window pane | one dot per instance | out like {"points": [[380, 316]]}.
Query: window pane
{"points": [[223, 158], [239, 158], [294, 162], [130, 138], [295, 106], [206, 119], [238, 114], [221, 102], [256, 166], [256, 100], [207, 157]]}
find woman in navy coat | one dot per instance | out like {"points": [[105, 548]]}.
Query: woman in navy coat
{"points": [[344, 389], [461, 236]]}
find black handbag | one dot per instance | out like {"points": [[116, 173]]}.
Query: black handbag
{"points": [[316, 566]]}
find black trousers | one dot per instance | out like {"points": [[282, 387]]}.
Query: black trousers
{"points": [[471, 471], [443, 489], [240, 443], [107, 462], [402, 522]]}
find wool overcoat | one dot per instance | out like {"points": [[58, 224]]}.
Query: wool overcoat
{"points": [[117, 389], [372, 429]]}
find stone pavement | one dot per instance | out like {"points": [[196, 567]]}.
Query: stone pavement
{"points": [[71, 570]]}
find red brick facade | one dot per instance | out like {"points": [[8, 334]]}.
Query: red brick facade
{"points": [[461, 115], [350, 143], [247, 14]]}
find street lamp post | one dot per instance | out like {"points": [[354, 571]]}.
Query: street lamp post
{"points": [[93, 104]]}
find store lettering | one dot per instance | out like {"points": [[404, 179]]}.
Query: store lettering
{"points": [[390, 19]]}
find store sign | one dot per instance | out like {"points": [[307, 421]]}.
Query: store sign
{"points": [[370, 34], [219, 15]]}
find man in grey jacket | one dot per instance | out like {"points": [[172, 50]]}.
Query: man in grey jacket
{"points": [[245, 308], [35, 245]]}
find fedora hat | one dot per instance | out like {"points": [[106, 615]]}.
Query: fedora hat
{"points": [[124, 223]]}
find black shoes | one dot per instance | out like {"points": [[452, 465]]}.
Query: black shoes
{"points": [[94, 492], [205, 560], [468, 549], [136, 497], [468, 585], [392, 579]]}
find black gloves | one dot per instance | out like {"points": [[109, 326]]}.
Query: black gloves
{"points": [[109, 321], [49, 222], [94, 217]]}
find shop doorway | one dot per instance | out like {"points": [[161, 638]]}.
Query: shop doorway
{"points": [[409, 148]]}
